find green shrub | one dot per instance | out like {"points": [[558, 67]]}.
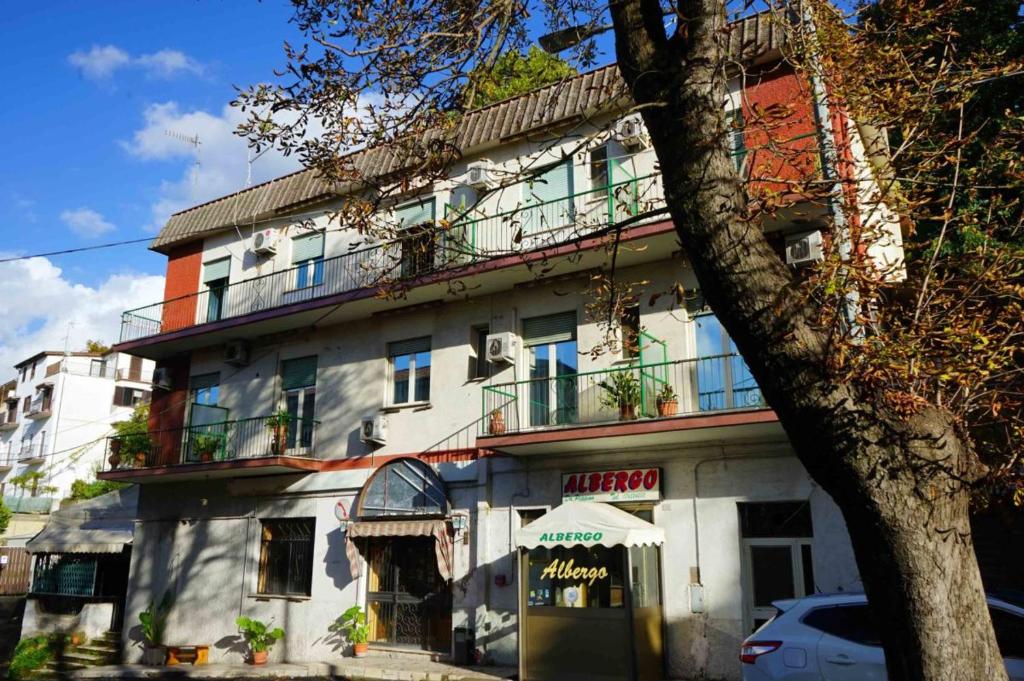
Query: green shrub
{"points": [[30, 656]]}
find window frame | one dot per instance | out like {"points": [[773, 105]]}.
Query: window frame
{"points": [[263, 560], [309, 272], [414, 398], [481, 367]]}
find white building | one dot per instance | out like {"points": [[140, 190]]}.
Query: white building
{"points": [[425, 431], [58, 411]]}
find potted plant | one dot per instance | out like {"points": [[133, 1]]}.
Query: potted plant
{"points": [[153, 620], [622, 391], [278, 425], [352, 624], [667, 401], [259, 637], [497, 423], [206, 445], [115, 452]]}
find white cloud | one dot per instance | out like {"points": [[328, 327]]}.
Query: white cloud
{"points": [[86, 222], [39, 301], [222, 156], [102, 61]]}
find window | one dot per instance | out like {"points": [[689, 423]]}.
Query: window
{"points": [[849, 622], [215, 275], [630, 329], [599, 175], [130, 397], [403, 487], [12, 411], [308, 259], [410, 370], [416, 225], [98, 368], [723, 379], [298, 383], [737, 145], [286, 557], [1009, 632], [777, 557], [204, 389], [481, 367], [605, 588], [24, 373], [33, 371], [549, 195], [550, 343], [28, 405]]}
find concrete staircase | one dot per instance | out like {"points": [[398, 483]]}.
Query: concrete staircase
{"points": [[97, 652]]}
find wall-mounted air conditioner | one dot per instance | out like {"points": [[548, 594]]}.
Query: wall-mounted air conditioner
{"points": [[374, 429], [804, 248], [501, 347], [264, 242], [162, 378], [236, 353], [629, 132], [480, 174]]}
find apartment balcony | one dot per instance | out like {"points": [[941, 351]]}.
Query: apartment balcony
{"points": [[39, 409], [496, 250], [7, 462], [703, 400], [135, 376], [8, 421], [239, 448], [31, 455]]}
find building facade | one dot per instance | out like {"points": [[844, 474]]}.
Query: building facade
{"points": [[57, 413], [316, 444]]}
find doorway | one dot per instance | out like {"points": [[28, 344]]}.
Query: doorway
{"points": [[408, 602]]}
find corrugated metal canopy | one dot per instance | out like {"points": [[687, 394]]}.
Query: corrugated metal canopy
{"points": [[101, 525], [546, 107]]}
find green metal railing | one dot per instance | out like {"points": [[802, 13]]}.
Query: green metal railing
{"points": [[652, 390], [65, 575], [212, 442]]}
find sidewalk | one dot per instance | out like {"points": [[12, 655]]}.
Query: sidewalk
{"points": [[350, 668]]}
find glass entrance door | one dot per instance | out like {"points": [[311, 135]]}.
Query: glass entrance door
{"points": [[409, 604]]}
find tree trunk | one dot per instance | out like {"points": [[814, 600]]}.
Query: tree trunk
{"points": [[899, 480]]}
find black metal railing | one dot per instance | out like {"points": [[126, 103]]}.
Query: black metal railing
{"points": [[251, 438], [641, 391]]}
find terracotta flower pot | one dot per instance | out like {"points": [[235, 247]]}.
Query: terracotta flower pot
{"points": [[140, 460], [668, 407], [497, 424], [206, 457], [115, 453], [360, 649], [259, 657], [627, 412]]}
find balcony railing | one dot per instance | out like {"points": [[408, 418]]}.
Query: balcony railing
{"points": [[31, 453], [39, 408], [659, 390], [137, 375], [215, 442], [459, 240]]}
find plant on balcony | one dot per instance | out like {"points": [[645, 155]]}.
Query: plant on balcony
{"points": [[278, 425], [206, 446], [259, 637], [352, 624], [496, 426], [622, 392], [132, 438], [667, 401], [153, 620]]}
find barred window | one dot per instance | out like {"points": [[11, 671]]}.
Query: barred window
{"points": [[286, 557]]}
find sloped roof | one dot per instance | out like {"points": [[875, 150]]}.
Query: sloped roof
{"points": [[104, 524], [539, 109]]}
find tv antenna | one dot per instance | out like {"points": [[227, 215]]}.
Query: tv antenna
{"points": [[192, 141]]}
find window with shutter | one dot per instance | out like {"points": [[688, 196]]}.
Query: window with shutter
{"points": [[298, 383], [409, 363], [308, 259], [550, 343], [418, 241], [549, 195]]}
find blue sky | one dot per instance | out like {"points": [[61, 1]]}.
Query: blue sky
{"points": [[90, 89]]}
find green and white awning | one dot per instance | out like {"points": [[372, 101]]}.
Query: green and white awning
{"points": [[588, 523]]}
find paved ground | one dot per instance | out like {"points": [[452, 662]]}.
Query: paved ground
{"points": [[351, 669]]}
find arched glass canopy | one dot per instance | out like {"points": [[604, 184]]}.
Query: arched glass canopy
{"points": [[402, 488]]}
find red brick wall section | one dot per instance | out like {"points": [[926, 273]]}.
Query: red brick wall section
{"points": [[167, 411], [183, 265], [779, 131]]}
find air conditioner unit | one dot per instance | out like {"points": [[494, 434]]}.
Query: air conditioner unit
{"points": [[264, 242], [374, 429], [480, 174], [236, 353], [501, 347], [162, 378], [804, 248], [629, 132]]}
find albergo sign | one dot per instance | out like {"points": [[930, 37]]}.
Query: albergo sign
{"points": [[624, 484]]}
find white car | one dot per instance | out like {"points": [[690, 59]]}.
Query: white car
{"points": [[832, 638]]}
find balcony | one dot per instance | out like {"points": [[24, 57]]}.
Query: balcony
{"points": [[8, 421], [457, 246], [31, 454], [135, 376], [39, 408], [7, 462], [643, 404], [228, 449]]}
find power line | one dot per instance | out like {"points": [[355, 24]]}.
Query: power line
{"points": [[76, 250]]}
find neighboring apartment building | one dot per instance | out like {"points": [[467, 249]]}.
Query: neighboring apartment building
{"points": [[425, 431], [57, 412]]}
